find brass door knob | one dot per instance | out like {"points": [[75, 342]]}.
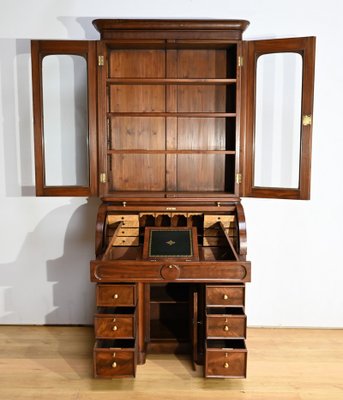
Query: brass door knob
{"points": [[115, 296]]}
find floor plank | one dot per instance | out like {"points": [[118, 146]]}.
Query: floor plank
{"points": [[283, 364]]}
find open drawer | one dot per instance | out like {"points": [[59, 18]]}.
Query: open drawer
{"points": [[115, 358], [115, 323], [225, 359], [227, 322]]}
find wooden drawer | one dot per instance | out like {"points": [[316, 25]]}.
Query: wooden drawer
{"points": [[127, 232], [225, 322], [226, 220], [116, 295], [115, 323], [114, 358], [225, 359], [126, 241], [225, 295], [128, 220]]}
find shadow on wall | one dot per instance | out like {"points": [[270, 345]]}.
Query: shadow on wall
{"points": [[48, 282], [81, 27], [41, 290], [73, 293], [16, 100]]}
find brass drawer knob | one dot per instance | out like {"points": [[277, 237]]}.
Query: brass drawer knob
{"points": [[115, 328], [226, 328], [226, 365], [226, 297], [116, 295], [114, 364]]}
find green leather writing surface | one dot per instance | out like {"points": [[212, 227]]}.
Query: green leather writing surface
{"points": [[171, 243]]}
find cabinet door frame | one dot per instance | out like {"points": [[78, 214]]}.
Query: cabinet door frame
{"points": [[253, 49], [86, 49]]}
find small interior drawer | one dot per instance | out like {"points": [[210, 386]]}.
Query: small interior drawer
{"points": [[227, 322], [128, 220], [220, 295], [115, 323], [126, 241], [114, 358], [225, 359], [116, 295], [211, 220], [128, 232]]}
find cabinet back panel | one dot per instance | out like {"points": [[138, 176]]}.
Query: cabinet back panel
{"points": [[137, 98], [138, 133], [141, 172], [137, 64], [201, 172], [131, 171], [201, 98], [201, 64], [201, 134]]}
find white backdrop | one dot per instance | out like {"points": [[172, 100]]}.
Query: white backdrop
{"points": [[46, 243]]}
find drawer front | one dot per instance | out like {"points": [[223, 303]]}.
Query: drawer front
{"points": [[225, 326], [116, 295], [110, 327], [126, 232], [116, 363], [128, 221], [225, 295], [226, 220], [148, 271], [226, 364], [126, 241]]}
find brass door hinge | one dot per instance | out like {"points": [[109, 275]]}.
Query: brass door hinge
{"points": [[238, 178], [307, 120], [240, 61], [103, 177], [101, 61]]}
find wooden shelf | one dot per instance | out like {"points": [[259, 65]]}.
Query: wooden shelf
{"points": [[171, 114], [168, 81], [144, 151]]}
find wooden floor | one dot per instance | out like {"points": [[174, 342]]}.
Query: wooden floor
{"points": [[55, 363]]}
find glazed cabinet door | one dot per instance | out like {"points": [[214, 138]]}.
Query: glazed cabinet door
{"points": [[279, 76], [64, 102]]}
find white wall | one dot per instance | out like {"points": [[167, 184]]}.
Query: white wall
{"points": [[46, 243]]}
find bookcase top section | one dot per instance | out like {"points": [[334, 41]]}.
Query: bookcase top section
{"points": [[229, 29]]}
